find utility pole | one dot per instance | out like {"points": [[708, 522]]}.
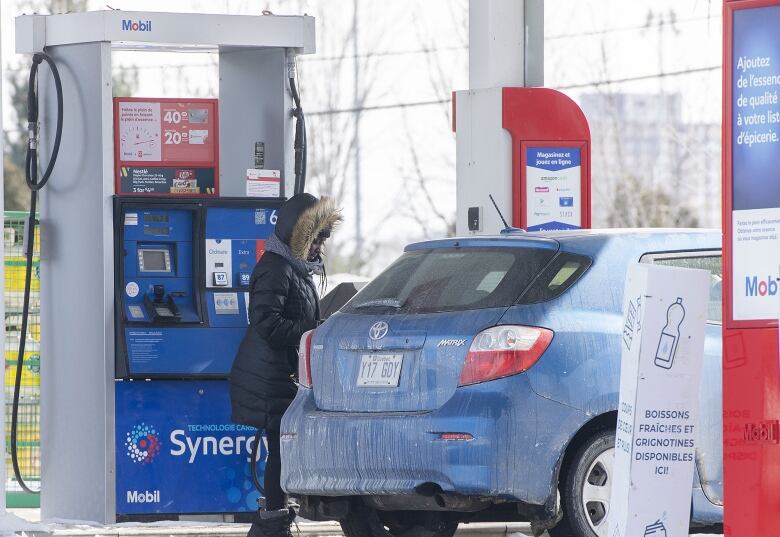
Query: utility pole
{"points": [[357, 105]]}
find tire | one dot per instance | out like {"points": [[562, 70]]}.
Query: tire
{"points": [[365, 521], [585, 491]]}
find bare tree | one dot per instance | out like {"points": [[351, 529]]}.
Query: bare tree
{"points": [[17, 196], [331, 134], [630, 190], [421, 186]]}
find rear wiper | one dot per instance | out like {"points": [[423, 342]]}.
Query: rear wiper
{"points": [[381, 302]]}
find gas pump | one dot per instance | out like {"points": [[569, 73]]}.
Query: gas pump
{"points": [[182, 269], [150, 228]]}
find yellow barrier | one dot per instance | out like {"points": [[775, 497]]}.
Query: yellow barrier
{"points": [[31, 370]]}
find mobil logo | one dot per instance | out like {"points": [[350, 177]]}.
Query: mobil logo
{"points": [[136, 26], [763, 287]]}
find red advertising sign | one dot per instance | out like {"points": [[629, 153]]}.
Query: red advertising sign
{"points": [[166, 146], [751, 254]]}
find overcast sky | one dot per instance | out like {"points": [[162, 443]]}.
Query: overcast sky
{"points": [[587, 42]]}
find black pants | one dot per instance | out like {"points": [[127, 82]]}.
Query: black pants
{"points": [[274, 495]]}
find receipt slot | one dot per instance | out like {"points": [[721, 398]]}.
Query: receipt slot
{"points": [[751, 256]]}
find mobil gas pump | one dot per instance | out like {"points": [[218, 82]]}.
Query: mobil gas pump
{"points": [[154, 217], [751, 257]]}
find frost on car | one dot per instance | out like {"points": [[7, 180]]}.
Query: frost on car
{"points": [[477, 380]]}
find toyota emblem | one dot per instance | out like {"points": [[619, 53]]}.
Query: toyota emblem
{"points": [[378, 330]]}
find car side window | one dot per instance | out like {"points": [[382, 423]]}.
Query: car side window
{"points": [[558, 276], [697, 260]]}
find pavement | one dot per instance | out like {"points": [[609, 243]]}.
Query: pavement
{"points": [[27, 522]]}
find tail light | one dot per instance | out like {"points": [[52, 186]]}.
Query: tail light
{"points": [[304, 359], [502, 351]]}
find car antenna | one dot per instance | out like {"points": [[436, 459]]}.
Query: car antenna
{"points": [[507, 228]]}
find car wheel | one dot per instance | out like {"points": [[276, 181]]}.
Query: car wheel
{"points": [[586, 490], [364, 521]]}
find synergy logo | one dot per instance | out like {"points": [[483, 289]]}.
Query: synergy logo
{"points": [[136, 26], [754, 287], [143, 443], [191, 447]]}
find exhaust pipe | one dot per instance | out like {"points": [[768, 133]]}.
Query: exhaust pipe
{"points": [[456, 502]]}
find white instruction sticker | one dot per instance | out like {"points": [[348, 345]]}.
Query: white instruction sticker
{"points": [[263, 183]]}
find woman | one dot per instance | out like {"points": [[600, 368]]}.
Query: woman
{"points": [[283, 304]]}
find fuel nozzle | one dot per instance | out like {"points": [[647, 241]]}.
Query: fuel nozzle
{"points": [[159, 293]]}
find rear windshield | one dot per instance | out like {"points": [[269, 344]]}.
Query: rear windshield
{"points": [[451, 279]]}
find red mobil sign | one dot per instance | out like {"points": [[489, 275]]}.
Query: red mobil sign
{"points": [[751, 265], [166, 146]]}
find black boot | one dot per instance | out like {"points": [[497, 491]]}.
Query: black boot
{"points": [[272, 523]]}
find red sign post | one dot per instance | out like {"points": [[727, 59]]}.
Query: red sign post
{"points": [[751, 261]]}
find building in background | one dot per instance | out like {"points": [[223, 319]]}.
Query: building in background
{"points": [[644, 153]]}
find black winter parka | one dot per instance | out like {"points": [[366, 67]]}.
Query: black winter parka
{"points": [[282, 306]]}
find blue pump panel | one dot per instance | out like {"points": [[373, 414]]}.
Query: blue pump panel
{"points": [[178, 452], [184, 270]]}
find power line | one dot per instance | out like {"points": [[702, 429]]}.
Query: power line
{"points": [[416, 104], [642, 77], [302, 59], [373, 108], [407, 52], [432, 102], [622, 29]]}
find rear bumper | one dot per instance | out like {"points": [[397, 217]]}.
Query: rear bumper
{"points": [[349, 454]]}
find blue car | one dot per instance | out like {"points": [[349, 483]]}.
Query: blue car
{"points": [[476, 379]]}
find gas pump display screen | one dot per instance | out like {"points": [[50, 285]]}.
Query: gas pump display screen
{"points": [[154, 260]]}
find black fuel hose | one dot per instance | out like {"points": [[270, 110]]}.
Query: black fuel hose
{"points": [[299, 145], [35, 184], [255, 450]]}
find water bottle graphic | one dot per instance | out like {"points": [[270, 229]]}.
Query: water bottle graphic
{"points": [[670, 335]]}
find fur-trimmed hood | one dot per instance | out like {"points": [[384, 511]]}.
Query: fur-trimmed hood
{"points": [[323, 216], [302, 218]]}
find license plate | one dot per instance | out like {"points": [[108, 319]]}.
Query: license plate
{"points": [[380, 369]]}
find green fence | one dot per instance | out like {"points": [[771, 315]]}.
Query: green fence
{"points": [[28, 430]]}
